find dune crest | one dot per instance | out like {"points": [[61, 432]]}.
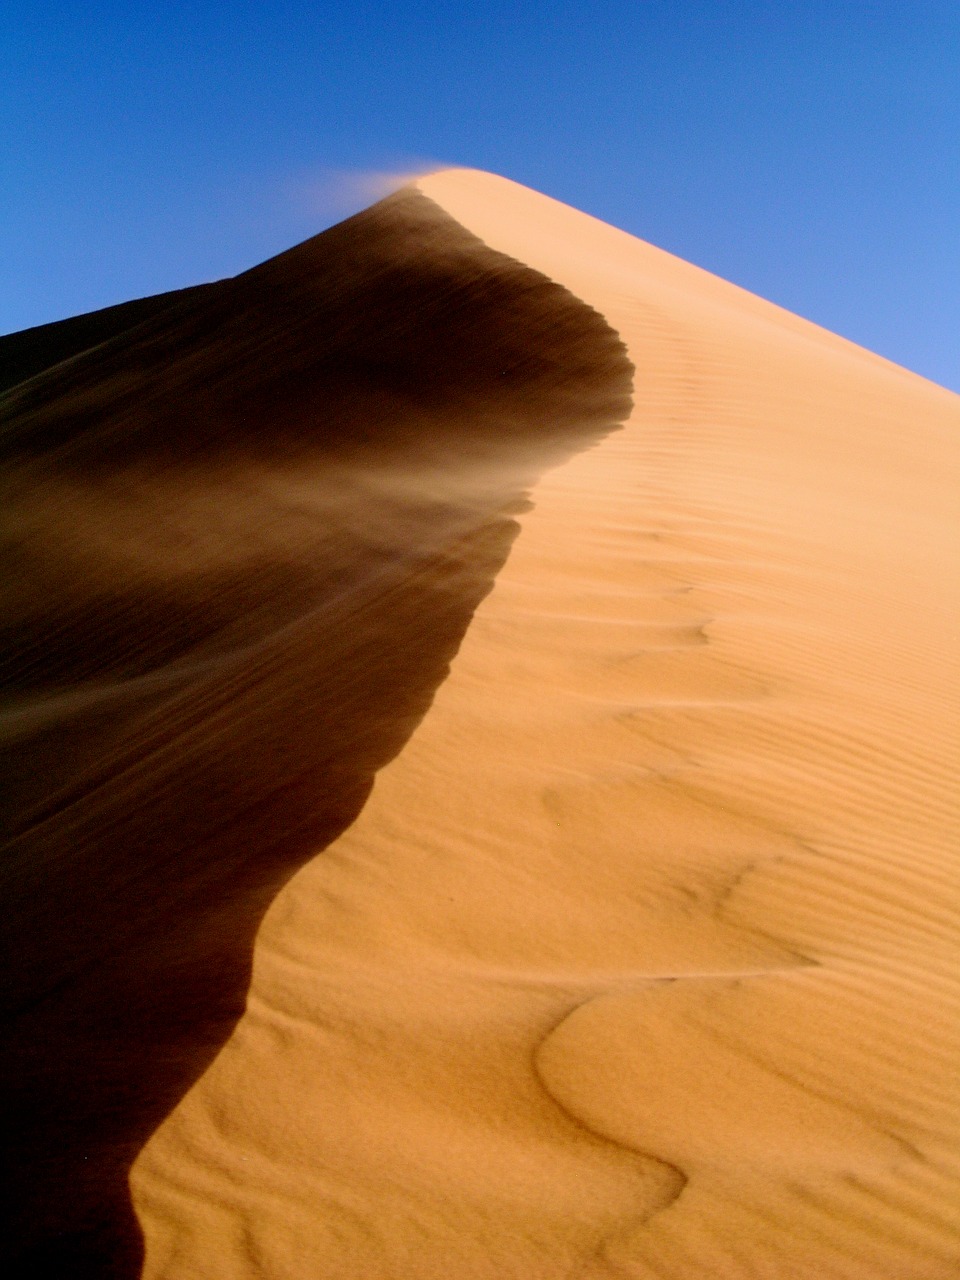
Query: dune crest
{"points": [[640, 960]]}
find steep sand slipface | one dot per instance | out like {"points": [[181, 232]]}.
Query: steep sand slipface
{"points": [[641, 958], [241, 542]]}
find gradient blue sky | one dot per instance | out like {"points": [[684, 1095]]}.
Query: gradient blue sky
{"points": [[808, 151]]}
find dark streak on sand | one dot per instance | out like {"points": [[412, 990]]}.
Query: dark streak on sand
{"points": [[243, 541]]}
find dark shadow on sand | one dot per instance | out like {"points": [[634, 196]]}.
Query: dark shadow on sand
{"points": [[243, 542]]}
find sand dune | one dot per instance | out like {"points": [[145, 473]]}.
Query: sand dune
{"points": [[557, 644]]}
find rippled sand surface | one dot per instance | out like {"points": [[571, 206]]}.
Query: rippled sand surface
{"points": [[565, 662]]}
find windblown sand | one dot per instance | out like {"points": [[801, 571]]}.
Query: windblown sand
{"points": [[640, 957]]}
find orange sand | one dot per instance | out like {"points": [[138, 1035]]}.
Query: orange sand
{"points": [[641, 958]]}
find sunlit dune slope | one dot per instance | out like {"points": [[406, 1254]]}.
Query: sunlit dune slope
{"points": [[640, 957]]}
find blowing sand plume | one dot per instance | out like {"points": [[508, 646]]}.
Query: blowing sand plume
{"points": [[481, 726]]}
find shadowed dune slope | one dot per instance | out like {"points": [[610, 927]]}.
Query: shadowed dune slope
{"points": [[641, 960], [242, 542]]}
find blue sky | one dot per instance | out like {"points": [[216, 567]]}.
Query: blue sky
{"points": [[808, 151]]}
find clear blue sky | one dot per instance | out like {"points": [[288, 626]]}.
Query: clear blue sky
{"points": [[808, 151]]}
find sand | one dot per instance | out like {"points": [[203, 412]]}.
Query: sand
{"points": [[557, 644]]}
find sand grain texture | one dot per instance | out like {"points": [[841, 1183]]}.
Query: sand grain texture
{"points": [[639, 956]]}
